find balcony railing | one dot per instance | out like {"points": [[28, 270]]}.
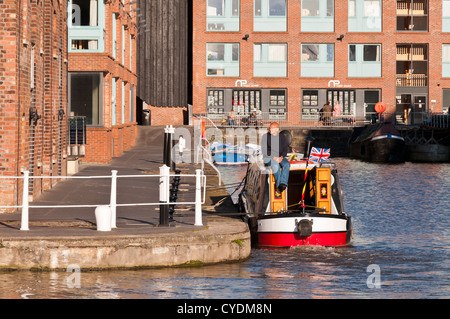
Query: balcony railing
{"points": [[411, 80]]}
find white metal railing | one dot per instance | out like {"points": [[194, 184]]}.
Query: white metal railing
{"points": [[164, 193], [263, 119]]}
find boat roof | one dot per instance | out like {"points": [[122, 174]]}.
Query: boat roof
{"points": [[300, 165]]}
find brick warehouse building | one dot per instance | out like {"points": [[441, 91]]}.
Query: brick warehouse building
{"points": [[33, 85], [102, 78], [286, 58]]}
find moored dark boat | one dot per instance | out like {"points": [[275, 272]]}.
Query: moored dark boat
{"points": [[379, 142]]}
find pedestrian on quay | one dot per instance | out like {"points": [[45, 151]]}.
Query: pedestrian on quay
{"points": [[326, 113]]}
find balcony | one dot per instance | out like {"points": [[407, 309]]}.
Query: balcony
{"points": [[417, 80]]}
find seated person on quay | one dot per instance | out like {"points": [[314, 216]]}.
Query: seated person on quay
{"points": [[274, 149]]}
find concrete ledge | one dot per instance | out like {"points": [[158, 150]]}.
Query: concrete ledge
{"points": [[223, 240]]}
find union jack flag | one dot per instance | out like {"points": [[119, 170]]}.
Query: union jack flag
{"points": [[319, 154]]}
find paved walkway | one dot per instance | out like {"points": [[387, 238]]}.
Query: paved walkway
{"points": [[132, 222]]}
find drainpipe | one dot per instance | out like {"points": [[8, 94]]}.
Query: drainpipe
{"points": [[19, 118]]}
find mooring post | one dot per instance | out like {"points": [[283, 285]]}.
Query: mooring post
{"points": [[198, 198], [168, 146], [170, 150], [164, 172], [24, 217], [113, 199], [166, 134]]}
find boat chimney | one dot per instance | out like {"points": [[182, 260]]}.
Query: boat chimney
{"points": [[308, 141]]}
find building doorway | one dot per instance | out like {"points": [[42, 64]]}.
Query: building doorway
{"points": [[411, 108]]}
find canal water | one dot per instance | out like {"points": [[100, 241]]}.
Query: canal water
{"points": [[400, 250]]}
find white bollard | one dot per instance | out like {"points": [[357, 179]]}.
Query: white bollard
{"points": [[198, 198], [103, 218], [113, 199], [24, 216]]}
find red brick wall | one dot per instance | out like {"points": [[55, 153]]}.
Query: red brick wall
{"points": [[389, 38], [32, 28], [167, 115], [100, 140]]}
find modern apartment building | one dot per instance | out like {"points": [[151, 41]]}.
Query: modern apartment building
{"points": [[33, 100], [287, 58], [102, 77]]}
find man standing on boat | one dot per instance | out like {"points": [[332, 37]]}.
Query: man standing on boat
{"points": [[274, 149]]}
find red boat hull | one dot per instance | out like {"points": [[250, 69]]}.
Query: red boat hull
{"points": [[293, 239]]}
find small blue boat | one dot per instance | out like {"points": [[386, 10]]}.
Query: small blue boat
{"points": [[227, 154]]}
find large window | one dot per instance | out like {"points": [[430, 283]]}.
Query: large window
{"points": [[364, 15], [412, 15], [86, 24], [222, 59], [270, 59], [222, 15], [317, 16], [446, 16], [86, 96], [270, 15], [317, 60], [446, 60], [364, 60]]}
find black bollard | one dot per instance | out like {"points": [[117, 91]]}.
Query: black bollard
{"points": [[165, 159], [168, 146], [163, 215], [174, 194]]}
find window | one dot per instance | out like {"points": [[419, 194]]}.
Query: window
{"points": [[277, 53], [364, 60], [446, 60], [371, 53], [364, 15], [277, 8], [245, 101], [215, 103], [412, 15], [317, 60], [85, 96], [446, 16], [270, 15], [346, 98], [277, 97], [123, 102], [223, 59], [86, 26], [222, 15], [317, 16], [270, 59], [310, 107], [113, 100]]}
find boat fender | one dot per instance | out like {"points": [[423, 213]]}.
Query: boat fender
{"points": [[304, 227]]}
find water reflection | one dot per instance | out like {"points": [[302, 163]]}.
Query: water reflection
{"points": [[400, 218]]}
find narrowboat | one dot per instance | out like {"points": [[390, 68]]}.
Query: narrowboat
{"points": [[379, 142], [309, 211]]}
